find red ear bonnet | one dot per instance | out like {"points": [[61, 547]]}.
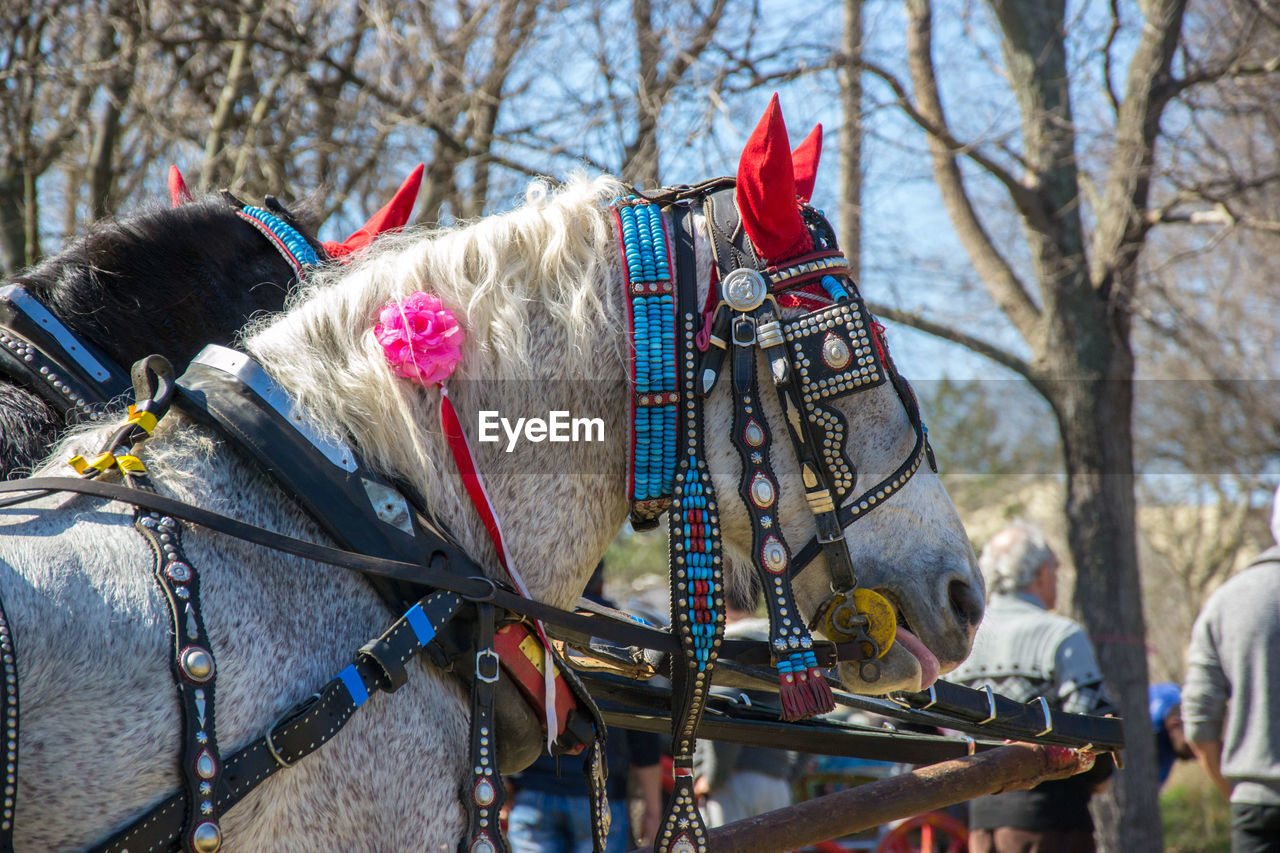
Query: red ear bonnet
{"points": [[178, 192], [394, 214], [767, 191], [805, 163]]}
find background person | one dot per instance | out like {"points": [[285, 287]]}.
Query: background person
{"points": [[551, 812], [746, 781], [1231, 699], [1024, 652]]}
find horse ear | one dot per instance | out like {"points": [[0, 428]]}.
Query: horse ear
{"points": [[178, 192], [394, 214], [804, 161], [766, 190]]}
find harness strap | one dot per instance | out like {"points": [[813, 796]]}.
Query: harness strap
{"points": [[37, 350], [301, 729], [697, 599], [9, 735], [574, 627], [488, 793]]}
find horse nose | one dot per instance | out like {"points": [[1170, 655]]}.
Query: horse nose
{"points": [[966, 604]]}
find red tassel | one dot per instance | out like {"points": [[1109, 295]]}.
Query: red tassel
{"points": [[766, 191], [820, 692], [796, 700]]}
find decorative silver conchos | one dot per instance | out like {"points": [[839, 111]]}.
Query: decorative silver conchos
{"points": [[485, 792], [196, 663], [206, 765], [206, 837], [762, 493], [683, 845], [773, 554], [753, 433], [743, 289], [483, 845], [178, 571], [833, 353]]}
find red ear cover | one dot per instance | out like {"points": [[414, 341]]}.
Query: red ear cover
{"points": [[804, 162], [178, 192], [766, 191], [393, 215]]}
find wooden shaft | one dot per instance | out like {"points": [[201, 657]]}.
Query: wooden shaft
{"points": [[1012, 767]]}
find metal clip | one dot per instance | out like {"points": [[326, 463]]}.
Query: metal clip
{"points": [[991, 705], [490, 655], [933, 699], [973, 744], [1048, 717]]}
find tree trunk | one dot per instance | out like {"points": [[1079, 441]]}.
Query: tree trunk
{"points": [[850, 77], [13, 242], [1095, 418]]}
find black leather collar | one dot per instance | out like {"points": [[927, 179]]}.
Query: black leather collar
{"points": [[42, 354], [359, 509]]}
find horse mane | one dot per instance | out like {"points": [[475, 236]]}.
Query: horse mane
{"points": [[142, 283], [525, 286]]}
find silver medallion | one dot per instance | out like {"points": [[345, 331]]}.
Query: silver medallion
{"points": [[835, 352], [743, 289], [774, 554], [753, 433], [761, 491]]}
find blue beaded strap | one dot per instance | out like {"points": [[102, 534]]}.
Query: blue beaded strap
{"points": [[651, 317], [295, 248]]}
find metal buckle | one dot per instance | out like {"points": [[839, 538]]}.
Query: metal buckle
{"points": [[991, 705], [491, 655], [271, 746], [488, 596], [1048, 718]]}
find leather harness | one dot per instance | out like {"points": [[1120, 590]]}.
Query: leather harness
{"points": [[390, 538]]}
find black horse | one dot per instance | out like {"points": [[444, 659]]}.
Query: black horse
{"points": [[168, 281]]}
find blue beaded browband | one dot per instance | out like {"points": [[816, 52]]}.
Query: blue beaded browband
{"points": [[288, 240], [651, 315]]}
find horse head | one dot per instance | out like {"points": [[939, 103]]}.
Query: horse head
{"points": [[872, 471]]}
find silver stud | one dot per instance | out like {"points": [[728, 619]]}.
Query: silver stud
{"points": [[197, 664], [206, 838]]}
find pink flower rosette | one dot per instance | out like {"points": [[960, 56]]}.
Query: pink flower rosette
{"points": [[420, 338]]}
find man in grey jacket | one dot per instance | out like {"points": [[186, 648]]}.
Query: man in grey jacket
{"points": [[1231, 700], [1025, 652]]}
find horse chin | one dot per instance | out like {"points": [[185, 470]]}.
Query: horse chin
{"points": [[908, 666]]}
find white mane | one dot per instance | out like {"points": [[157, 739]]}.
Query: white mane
{"points": [[525, 286]]}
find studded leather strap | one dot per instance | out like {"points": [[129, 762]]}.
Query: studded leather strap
{"points": [[194, 673], [485, 799], [8, 732], [303, 728], [697, 602]]}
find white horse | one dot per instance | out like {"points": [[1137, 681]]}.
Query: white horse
{"points": [[538, 291]]}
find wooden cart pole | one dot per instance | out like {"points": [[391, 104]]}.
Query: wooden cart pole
{"points": [[1006, 768]]}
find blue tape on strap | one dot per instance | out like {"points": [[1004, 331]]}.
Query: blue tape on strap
{"points": [[420, 624], [355, 686]]}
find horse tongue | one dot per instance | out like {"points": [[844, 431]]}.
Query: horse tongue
{"points": [[929, 666]]}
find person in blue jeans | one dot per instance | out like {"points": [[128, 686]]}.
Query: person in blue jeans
{"points": [[551, 812]]}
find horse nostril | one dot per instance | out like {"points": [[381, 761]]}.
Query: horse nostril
{"points": [[965, 603]]}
